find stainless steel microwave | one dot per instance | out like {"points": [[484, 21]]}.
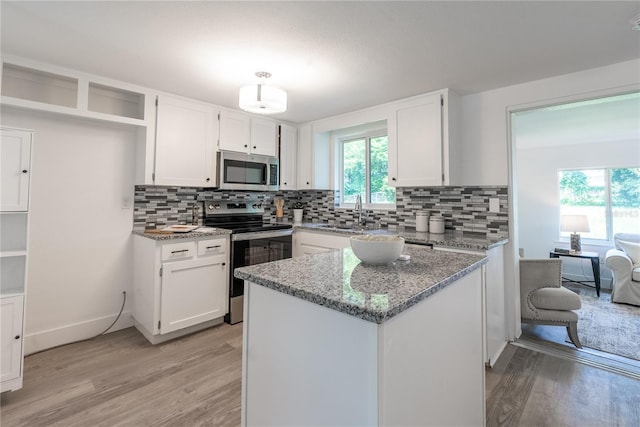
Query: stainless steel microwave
{"points": [[238, 171]]}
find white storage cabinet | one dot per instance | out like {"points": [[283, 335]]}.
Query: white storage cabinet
{"points": [[423, 143], [314, 160], [245, 134], [185, 143], [288, 137], [314, 242], [15, 158], [180, 285], [493, 300]]}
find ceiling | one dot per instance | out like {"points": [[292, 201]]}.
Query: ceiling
{"points": [[331, 57]]}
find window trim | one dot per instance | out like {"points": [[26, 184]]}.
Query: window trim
{"points": [[367, 135]]}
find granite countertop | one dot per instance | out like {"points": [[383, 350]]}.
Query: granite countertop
{"points": [[339, 281], [199, 232], [451, 239]]}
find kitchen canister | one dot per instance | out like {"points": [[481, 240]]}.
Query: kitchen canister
{"points": [[422, 221], [436, 224]]}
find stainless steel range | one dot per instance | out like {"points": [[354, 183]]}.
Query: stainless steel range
{"points": [[252, 242]]}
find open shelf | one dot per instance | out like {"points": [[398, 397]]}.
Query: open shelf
{"points": [[39, 86], [12, 274], [14, 232], [118, 102]]}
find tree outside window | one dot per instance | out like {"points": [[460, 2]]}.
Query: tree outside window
{"points": [[365, 171], [609, 197]]}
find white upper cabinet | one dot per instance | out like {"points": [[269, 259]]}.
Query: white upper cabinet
{"points": [[185, 143], [421, 146], [314, 160], [15, 155], [288, 153], [263, 137], [245, 134]]}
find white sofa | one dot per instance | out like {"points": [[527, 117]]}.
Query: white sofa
{"points": [[624, 263]]}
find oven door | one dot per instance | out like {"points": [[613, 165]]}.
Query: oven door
{"points": [[250, 249]]}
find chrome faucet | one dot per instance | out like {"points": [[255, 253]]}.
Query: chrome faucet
{"points": [[362, 220]]}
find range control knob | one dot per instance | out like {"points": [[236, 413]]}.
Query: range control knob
{"points": [[213, 206]]}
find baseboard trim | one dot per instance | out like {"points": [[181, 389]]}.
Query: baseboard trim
{"points": [[43, 340], [158, 339], [493, 360]]}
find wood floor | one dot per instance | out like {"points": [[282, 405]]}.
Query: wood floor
{"points": [[119, 379]]}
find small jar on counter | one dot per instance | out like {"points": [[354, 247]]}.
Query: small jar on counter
{"points": [[436, 224], [422, 221]]}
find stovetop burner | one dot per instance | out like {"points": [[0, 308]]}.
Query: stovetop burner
{"points": [[239, 216]]}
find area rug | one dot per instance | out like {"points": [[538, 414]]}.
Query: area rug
{"points": [[609, 327]]}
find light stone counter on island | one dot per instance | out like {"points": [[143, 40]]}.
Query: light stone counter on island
{"points": [[339, 281], [329, 341]]}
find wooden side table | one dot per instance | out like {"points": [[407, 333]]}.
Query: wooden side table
{"points": [[595, 266]]}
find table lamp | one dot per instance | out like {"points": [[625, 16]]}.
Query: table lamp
{"points": [[574, 224]]}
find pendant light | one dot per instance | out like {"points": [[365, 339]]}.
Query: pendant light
{"points": [[263, 99]]}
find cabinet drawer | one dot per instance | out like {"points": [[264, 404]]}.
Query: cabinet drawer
{"points": [[212, 247], [178, 250]]}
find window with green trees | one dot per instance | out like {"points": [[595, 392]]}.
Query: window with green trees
{"points": [[609, 197], [365, 165]]}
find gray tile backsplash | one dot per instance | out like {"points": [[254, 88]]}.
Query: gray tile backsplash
{"points": [[464, 208]]}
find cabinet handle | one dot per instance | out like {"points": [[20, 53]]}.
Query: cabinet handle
{"points": [[254, 147], [182, 250], [24, 171], [211, 247], [208, 179], [245, 145], [307, 182], [224, 263], [285, 183], [17, 337], [393, 179]]}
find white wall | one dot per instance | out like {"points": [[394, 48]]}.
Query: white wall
{"points": [[484, 115], [485, 143], [80, 256], [537, 183]]}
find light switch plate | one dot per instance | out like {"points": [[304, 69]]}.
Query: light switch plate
{"points": [[494, 205]]}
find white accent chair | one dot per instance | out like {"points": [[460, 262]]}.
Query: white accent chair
{"points": [[543, 300], [624, 263]]}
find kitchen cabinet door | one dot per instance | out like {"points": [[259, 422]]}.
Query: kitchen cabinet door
{"points": [[185, 143], [415, 143], [288, 152], [193, 292], [11, 340], [15, 158], [263, 137], [235, 132], [305, 160]]}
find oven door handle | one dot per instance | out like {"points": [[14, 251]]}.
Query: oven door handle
{"points": [[261, 235]]}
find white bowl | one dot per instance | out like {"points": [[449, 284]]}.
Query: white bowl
{"points": [[377, 249]]}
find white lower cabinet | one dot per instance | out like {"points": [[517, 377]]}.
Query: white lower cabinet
{"points": [[493, 300], [308, 242], [12, 342], [180, 286]]}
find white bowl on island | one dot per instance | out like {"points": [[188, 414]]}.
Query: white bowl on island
{"points": [[377, 249]]}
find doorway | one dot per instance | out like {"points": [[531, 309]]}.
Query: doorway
{"points": [[587, 134]]}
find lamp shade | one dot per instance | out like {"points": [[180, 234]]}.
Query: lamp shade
{"points": [[574, 223], [262, 99]]}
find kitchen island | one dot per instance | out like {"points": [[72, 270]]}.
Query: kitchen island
{"points": [[330, 341]]}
